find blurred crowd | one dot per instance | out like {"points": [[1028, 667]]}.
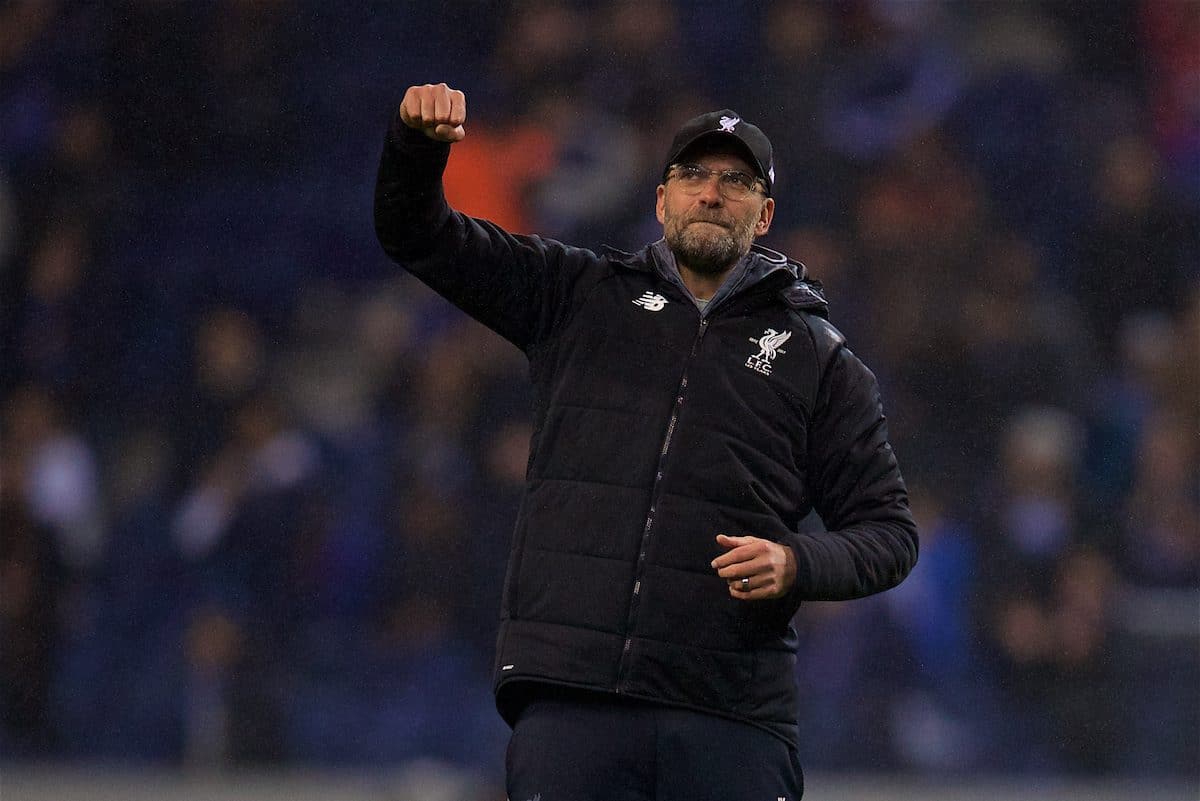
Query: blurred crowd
{"points": [[256, 485]]}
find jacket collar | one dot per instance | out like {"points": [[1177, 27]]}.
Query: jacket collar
{"points": [[759, 267]]}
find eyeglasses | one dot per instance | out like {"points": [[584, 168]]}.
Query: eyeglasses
{"points": [[733, 184]]}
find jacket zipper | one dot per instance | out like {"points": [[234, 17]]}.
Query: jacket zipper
{"points": [[647, 529]]}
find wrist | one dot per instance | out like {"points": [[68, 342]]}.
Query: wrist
{"points": [[405, 136], [789, 567]]}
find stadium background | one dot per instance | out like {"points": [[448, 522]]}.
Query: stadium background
{"points": [[256, 485]]}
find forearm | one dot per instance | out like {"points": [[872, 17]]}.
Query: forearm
{"points": [[855, 561], [410, 207], [490, 274]]}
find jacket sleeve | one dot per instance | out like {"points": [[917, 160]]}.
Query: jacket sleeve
{"points": [[510, 283], [871, 540]]}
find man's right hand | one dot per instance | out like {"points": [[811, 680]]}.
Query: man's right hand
{"points": [[435, 109]]}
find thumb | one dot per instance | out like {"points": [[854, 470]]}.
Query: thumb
{"points": [[447, 133], [726, 541]]}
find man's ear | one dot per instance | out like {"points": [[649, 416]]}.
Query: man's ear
{"points": [[660, 201], [764, 217]]}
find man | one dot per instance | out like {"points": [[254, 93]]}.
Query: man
{"points": [[691, 406]]}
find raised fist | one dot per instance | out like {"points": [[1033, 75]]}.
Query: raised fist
{"points": [[437, 110]]}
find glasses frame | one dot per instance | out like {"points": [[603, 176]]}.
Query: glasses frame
{"points": [[723, 186]]}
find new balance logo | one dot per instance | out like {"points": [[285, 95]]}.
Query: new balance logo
{"points": [[770, 345], [651, 301]]}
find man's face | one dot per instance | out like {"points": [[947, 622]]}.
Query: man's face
{"points": [[706, 231]]}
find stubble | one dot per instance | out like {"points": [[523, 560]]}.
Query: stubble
{"points": [[709, 244]]}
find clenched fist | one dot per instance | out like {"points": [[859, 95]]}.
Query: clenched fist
{"points": [[437, 110]]}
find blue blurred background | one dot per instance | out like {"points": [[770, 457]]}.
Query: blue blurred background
{"points": [[256, 485]]}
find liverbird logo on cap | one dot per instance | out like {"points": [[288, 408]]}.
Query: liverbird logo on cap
{"points": [[729, 123]]}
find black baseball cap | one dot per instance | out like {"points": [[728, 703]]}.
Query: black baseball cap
{"points": [[729, 127]]}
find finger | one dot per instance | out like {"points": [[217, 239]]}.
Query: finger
{"points": [[441, 103], [753, 594], [741, 549], [762, 587], [410, 108], [428, 105], [735, 557], [744, 584], [755, 565], [731, 544], [458, 107], [747, 569]]}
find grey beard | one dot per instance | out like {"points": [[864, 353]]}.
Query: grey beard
{"points": [[711, 256]]}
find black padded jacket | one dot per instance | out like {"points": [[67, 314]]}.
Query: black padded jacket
{"points": [[657, 427]]}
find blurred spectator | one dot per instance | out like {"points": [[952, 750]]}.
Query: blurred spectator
{"points": [[541, 52], [1144, 370], [1021, 125], [52, 329], [799, 51], [408, 677], [1009, 342], [918, 221], [247, 526], [58, 474], [445, 400], [1160, 531], [584, 195], [1139, 250], [234, 692], [1062, 710], [78, 179], [848, 678], [1039, 514], [260, 474], [938, 716], [639, 62], [894, 81], [340, 351], [424, 577], [214, 643], [227, 367], [1049, 619]]}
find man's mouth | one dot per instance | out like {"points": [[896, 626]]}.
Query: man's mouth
{"points": [[720, 223]]}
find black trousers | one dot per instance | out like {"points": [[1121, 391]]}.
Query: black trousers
{"points": [[583, 747]]}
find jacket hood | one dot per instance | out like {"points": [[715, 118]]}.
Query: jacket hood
{"points": [[800, 292]]}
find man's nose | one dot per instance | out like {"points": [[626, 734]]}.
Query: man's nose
{"points": [[710, 191]]}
